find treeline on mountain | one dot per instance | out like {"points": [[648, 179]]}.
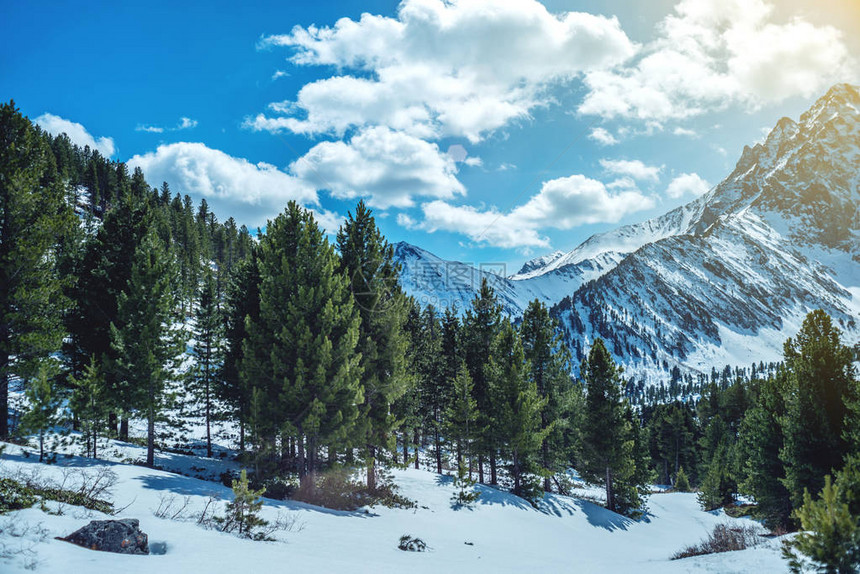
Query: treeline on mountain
{"points": [[129, 303]]}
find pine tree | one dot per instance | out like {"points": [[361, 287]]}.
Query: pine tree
{"points": [[682, 483], [817, 424], [433, 386], [208, 351], [89, 404], [550, 365], [760, 442], [243, 306], [516, 408], [606, 440], [480, 327], [43, 402], [242, 513], [460, 417], [146, 344], [830, 540], [300, 354], [367, 260], [33, 217]]}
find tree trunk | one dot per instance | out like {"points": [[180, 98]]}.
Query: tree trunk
{"points": [[123, 429], [208, 422], [241, 436], [41, 446], [312, 462], [493, 477], [481, 468], [112, 424], [547, 485], [371, 468], [416, 449], [438, 447], [301, 463], [610, 497], [4, 397], [516, 469], [150, 436]]}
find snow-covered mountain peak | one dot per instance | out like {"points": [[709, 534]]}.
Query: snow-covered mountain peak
{"points": [[539, 262]]}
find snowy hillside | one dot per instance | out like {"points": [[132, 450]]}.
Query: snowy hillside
{"points": [[502, 533], [728, 277]]}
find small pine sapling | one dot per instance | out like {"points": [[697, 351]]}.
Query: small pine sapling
{"points": [[682, 483], [466, 494], [43, 404], [243, 511]]}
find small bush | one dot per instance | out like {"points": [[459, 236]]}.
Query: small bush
{"points": [[682, 483], [466, 494], [723, 539], [831, 538], [410, 544], [242, 512]]}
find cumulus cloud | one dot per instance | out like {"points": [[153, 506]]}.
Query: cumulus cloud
{"points": [[687, 184], [562, 203], [183, 124], [708, 54], [389, 168], [442, 68], [77, 133], [603, 137], [233, 186], [633, 168]]}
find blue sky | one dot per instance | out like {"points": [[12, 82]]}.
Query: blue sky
{"points": [[484, 132]]}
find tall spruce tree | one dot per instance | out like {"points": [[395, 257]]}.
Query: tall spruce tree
{"points": [[208, 341], [516, 409], [242, 307], [760, 443], [300, 354], [550, 367], [480, 327], [606, 437], [460, 417], [146, 343], [367, 260], [817, 425], [33, 218]]}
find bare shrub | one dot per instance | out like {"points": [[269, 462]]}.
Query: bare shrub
{"points": [[724, 538]]}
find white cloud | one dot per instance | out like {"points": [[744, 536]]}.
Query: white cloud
{"points": [[56, 125], [474, 161], [562, 203], [387, 167], [679, 131], [633, 168], [603, 137], [280, 74], [709, 54], [443, 68], [687, 184], [251, 193], [183, 124]]}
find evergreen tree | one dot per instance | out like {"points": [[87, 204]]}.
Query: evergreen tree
{"points": [[243, 511], [33, 217], [830, 540], [433, 386], [516, 408], [817, 425], [42, 404], [242, 308], [480, 326], [207, 351], [550, 365], [300, 354], [146, 344], [89, 404], [682, 483], [760, 443], [367, 260], [606, 435], [460, 417]]}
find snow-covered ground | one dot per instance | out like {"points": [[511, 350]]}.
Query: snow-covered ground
{"points": [[501, 533]]}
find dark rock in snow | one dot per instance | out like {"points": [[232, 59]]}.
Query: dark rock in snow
{"points": [[120, 536]]}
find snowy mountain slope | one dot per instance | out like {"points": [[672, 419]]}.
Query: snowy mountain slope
{"points": [[774, 240], [502, 533], [721, 280]]}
